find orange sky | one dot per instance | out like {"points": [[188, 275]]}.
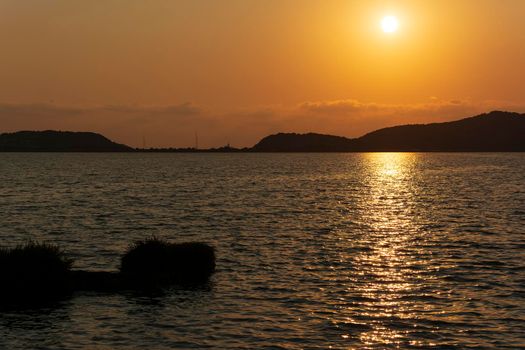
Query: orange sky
{"points": [[237, 70]]}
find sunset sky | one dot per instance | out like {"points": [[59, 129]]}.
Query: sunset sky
{"points": [[237, 70]]}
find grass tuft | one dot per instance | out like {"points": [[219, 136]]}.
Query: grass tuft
{"points": [[157, 262], [34, 271]]}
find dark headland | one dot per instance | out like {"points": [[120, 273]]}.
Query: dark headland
{"points": [[491, 132], [58, 141], [496, 131]]}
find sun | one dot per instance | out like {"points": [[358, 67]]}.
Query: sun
{"points": [[389, 24]]}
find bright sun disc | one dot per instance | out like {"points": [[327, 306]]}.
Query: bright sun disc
{"points": [[389, 24]]}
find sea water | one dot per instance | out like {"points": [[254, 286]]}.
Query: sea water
{"points": [[315, 251]]}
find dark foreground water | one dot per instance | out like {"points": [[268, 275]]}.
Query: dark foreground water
{"points": [[315, 251]]}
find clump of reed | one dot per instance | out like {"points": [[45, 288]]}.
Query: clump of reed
{"points": [[34, 271], [157, 262]]}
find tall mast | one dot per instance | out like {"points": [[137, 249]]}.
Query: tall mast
{"points": [[196, 140]]}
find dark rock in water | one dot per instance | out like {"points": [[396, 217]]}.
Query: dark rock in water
{"points": [[95, 281], [34, 272], [154, 262]]}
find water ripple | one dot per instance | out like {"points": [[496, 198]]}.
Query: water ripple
{"points": [[316, 251]]}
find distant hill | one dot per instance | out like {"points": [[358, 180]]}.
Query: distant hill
{"points": [[492, 132], [58, 141], [311, 142]]}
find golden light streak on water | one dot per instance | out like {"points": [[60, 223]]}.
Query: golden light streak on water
{"points": [[387, 263]]}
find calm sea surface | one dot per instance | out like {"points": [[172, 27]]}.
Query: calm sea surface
{"points": [[315, 251]]}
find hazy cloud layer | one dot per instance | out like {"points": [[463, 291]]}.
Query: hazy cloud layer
{"points": [[176, 125]]}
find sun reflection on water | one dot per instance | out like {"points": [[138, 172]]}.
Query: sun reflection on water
{"points": [[385, 271]]}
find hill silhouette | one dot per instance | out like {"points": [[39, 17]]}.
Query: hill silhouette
{"points": [[491, 132], [58, 141], [311, 142], [496, 131]]}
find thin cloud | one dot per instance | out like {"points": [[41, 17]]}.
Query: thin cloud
{"points": [[183, 109], [59, 110], [354, 106]]}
